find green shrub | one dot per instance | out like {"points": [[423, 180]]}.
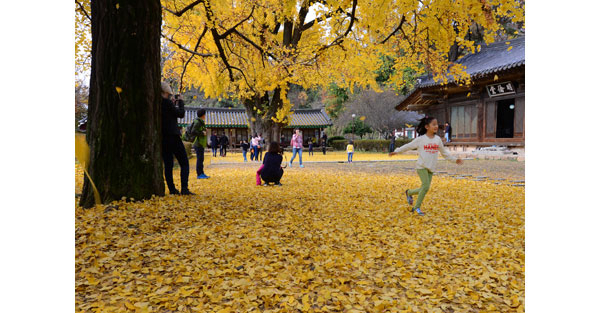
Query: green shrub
{"points": [[329, 140], [369, 144]]}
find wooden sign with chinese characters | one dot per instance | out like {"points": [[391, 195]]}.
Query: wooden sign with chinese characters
{"points": [[500, 89]]}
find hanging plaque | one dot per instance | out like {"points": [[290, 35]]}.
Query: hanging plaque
{"points": [[500, 89]]}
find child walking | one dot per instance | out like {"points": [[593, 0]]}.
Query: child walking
{"points": [[350, 150], [310, 146], [427, 144]]}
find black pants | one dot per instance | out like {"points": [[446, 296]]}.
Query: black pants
{"points": [[259, 153], [392, 147], [172, 145], [324, 150], [273, 177], [199, 160], [223, 151]]}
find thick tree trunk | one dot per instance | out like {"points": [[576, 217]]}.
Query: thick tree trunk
{"points": [[124, 104], [262, 123]]}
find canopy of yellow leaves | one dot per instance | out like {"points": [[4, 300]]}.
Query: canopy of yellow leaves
{"points": [[329, 240]]}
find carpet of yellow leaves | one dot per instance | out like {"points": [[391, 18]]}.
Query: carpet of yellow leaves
{"points": [[327, 241], [334, 156]]}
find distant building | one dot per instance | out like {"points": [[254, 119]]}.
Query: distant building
{"points": [[235, 123], [489, 112], [407, 132]]}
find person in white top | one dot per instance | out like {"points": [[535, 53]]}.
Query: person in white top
{"points": [[427, 144]]}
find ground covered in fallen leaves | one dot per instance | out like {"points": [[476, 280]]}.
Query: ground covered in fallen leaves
{"points": [[334, 238], [318, 156]]}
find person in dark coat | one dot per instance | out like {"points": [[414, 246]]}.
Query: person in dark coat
{"points": [[245, 146], [171, 140], [392, 142], [448, 132], [214, 143], [272, 171], [223, 142]]}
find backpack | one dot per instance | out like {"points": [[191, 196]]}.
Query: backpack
{"points": [[189, 134]]}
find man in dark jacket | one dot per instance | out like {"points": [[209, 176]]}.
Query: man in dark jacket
{"points": [[214, 143], [392, 142], [224, 141], [199, 129], [171, 141]]}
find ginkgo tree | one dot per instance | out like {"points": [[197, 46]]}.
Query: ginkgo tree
{"points": [[254, 50]]}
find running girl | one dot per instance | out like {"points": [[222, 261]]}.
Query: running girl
{"points": [[427, 144]]}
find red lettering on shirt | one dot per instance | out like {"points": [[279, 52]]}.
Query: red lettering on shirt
{"points": [[431, 148]]}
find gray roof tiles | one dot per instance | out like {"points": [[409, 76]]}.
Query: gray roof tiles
{"points": [[491, 59]]}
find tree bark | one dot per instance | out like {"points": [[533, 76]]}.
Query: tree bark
{"points": [[124, 105], [262, 123]]}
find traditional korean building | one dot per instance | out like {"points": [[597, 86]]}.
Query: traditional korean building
{"points": [[235, 123], [491, 111]]}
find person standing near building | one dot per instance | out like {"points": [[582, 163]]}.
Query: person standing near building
{"points": [[324, 145], [448, 132], [214, 143], [245, 146], [224, 142], [260, 145], [253, 145], [296, 144], [310, 146], [392, 141], [171, 140], [199, 129]]}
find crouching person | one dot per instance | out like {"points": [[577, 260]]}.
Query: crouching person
{"points": [[271, 171]]}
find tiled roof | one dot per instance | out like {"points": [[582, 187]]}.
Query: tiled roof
{"points": [[220, 117], [491, 59]]}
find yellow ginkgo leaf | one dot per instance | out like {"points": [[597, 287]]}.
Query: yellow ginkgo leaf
{"points": [[119, 90], [509, 48], [495, 77], [117, 6]]}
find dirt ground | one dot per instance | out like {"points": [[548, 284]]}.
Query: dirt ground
{"points": [[491, 169]]}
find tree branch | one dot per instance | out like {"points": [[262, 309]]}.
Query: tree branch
{"points": [[326, 16], [190, 59], [340, 38], [83, 10], [180, 46], [395, 30], [229, 31], [188, 7], [262, 51]]}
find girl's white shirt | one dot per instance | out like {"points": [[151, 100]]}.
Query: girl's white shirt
{"points": [[428, 151]]}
